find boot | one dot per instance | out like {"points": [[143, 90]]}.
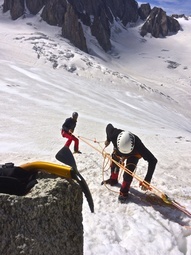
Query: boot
{"points": [[124, 191], [112, 180], [123, 197]]}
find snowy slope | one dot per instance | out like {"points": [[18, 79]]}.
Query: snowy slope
{"points": [[142, 85]]}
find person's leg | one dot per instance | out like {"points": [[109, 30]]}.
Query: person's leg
{"points": [[76, 143], [131, 164], [114, 168], [113, 180], [69, 137]]}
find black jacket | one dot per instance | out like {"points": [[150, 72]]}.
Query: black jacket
{"points": [[139, 149], [69, 123]]}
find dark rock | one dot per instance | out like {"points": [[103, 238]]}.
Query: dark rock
{"points": [[99, 15], [123, 10], [144, 11], [159, 24], [34, 6], [177, 16], [6, 5], [72, 29], [54, 11], [102, 12], [173, 25], [100, 29], [16, 8], [85, 18], [69, 14]]}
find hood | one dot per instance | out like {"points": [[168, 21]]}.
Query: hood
{"points": [[109, 130]]}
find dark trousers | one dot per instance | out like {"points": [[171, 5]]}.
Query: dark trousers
{"points": [[131, 163]]}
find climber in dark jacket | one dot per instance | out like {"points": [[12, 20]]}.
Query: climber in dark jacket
{"points": [[68, 129], [129, 147]]}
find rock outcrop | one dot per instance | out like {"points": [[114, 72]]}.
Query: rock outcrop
{"points": [[48, 220], [72, 29], [16, 8], [34, 6], [53, 12], [72, 15], [75, 16], [177, 16], [144, 11], [159, 24]]}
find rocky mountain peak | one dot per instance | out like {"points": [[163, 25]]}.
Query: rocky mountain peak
{"points": [[98, 15]]}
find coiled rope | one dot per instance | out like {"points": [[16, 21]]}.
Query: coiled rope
{"points": [[152, 188]]}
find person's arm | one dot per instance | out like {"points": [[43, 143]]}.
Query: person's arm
{"points": [[66, 125], [72, 127], [151, 168], [107, 143], [150, 158]]}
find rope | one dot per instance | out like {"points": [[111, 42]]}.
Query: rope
{"points": [[103, 170], [120, 166], [92, 140], [155, 190], [105, 155]]}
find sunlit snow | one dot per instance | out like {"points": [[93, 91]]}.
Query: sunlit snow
{"points": [[143, 85]]}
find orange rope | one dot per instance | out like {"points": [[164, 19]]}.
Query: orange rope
{"points": [[155, 190]]}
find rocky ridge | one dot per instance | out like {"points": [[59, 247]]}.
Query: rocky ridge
{"points": [[97, 15]]}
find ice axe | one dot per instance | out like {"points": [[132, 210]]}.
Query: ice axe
{"points": [[66, 157], [67, 171]]}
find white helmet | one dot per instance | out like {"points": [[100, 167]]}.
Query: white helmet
{"points": [[125, 142]]}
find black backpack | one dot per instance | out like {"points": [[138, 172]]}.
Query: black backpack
{"points": [[16, 181]]}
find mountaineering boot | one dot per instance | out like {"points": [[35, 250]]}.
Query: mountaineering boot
{"points": [[76, 150], [79, 152], [112, 180], [123, 197]]}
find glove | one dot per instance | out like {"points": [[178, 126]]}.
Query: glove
{"points": [[144, 186], [107, 143]]}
